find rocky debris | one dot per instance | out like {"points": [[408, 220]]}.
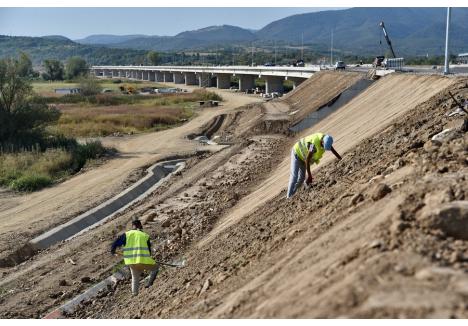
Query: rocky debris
{"points": [[86, 279], [450, 218], [433, 272], [445, 135], [55, 295], [357, 198], [378, 243], [376, 179], [432, 146], [149, 217], [206, 286], [62, 283], [379, 191]]}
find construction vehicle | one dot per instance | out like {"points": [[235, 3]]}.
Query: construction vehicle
{"points": [[381, 61]]}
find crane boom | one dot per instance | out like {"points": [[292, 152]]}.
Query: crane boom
{"points": [[387, 38]]}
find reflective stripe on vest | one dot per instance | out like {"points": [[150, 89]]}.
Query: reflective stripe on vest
{"points": [[136, 249], [301, 148]]}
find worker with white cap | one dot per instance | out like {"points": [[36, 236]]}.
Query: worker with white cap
{"points": [[306, 151]]}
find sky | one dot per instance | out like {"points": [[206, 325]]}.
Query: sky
{"points": [[76, 23]]}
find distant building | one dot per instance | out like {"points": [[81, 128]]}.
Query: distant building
{"points": [[67, 91], [462, 58]]}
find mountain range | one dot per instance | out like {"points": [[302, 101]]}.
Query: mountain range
{"points": [[413, 31]]}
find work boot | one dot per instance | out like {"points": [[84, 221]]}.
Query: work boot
{"points": [[152, 277]]}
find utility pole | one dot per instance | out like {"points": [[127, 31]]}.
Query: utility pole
{"points": [[275, 52], [447, 39], [252, 54], [331, 49], [302, 47]]}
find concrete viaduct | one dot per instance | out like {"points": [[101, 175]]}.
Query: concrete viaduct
{"points": [[216, 76]]}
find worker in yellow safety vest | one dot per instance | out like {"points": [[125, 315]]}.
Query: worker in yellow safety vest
{"points": [[306, 151], [137, 254]]}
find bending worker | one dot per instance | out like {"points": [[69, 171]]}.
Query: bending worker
{"points": [[306, 151], [137, 254]]}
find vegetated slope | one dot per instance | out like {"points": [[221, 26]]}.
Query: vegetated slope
{"points": [[412, 30], [345, 248], [41, 48]]}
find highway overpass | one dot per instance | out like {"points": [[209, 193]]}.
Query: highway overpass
{"points": [[215, 76]]}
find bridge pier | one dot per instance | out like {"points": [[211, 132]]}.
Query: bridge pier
{"points": [[145, 75], [179, 78], [159, 76], [190, 78], [151, 76], [223, 81], [296, 81], [168, 77], [274, 84], [204, 79], [246, 82]]}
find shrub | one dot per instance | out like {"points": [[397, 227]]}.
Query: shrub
{"points": [[85, 152], [31, 182], [89, 86]]}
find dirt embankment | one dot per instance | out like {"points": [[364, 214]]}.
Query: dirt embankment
{"points": [[349, 247], [371, 239]]}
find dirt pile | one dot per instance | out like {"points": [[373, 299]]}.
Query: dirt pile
{"points": [[356, 245]]}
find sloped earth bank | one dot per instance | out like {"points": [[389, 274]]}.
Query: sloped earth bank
{"points": [[251, 253], [383, 233]]}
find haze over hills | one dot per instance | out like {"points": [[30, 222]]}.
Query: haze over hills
{"points": [[108, 38]]}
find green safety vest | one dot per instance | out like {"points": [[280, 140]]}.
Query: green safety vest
{"points": [[136, 249], [301, 148]]}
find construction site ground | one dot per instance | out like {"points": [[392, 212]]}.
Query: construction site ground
{"points": [[382, 233]]}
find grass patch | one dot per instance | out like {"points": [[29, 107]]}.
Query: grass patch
{"points": [[34, 170], [153, 113]]}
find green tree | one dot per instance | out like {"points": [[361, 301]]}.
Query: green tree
{"points": [[25, 68], [54, 70], [76, 67], [21, 120], [153, 58], [89, 86]]}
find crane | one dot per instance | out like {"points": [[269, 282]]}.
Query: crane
{"points": [[387, 38]]}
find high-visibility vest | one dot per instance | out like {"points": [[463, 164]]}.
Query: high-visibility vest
{"points": [[301, 148], [136, 249]]}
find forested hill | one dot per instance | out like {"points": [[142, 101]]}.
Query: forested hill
{"points": [[41, 48]]}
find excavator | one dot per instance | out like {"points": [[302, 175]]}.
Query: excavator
{"points": [[380, 61]]}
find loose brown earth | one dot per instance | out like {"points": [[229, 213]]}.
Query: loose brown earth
{"points": [[383, 233]]}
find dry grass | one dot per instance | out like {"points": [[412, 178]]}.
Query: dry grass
{"points": [[32, 170], [153, 113], [103, 121]]}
